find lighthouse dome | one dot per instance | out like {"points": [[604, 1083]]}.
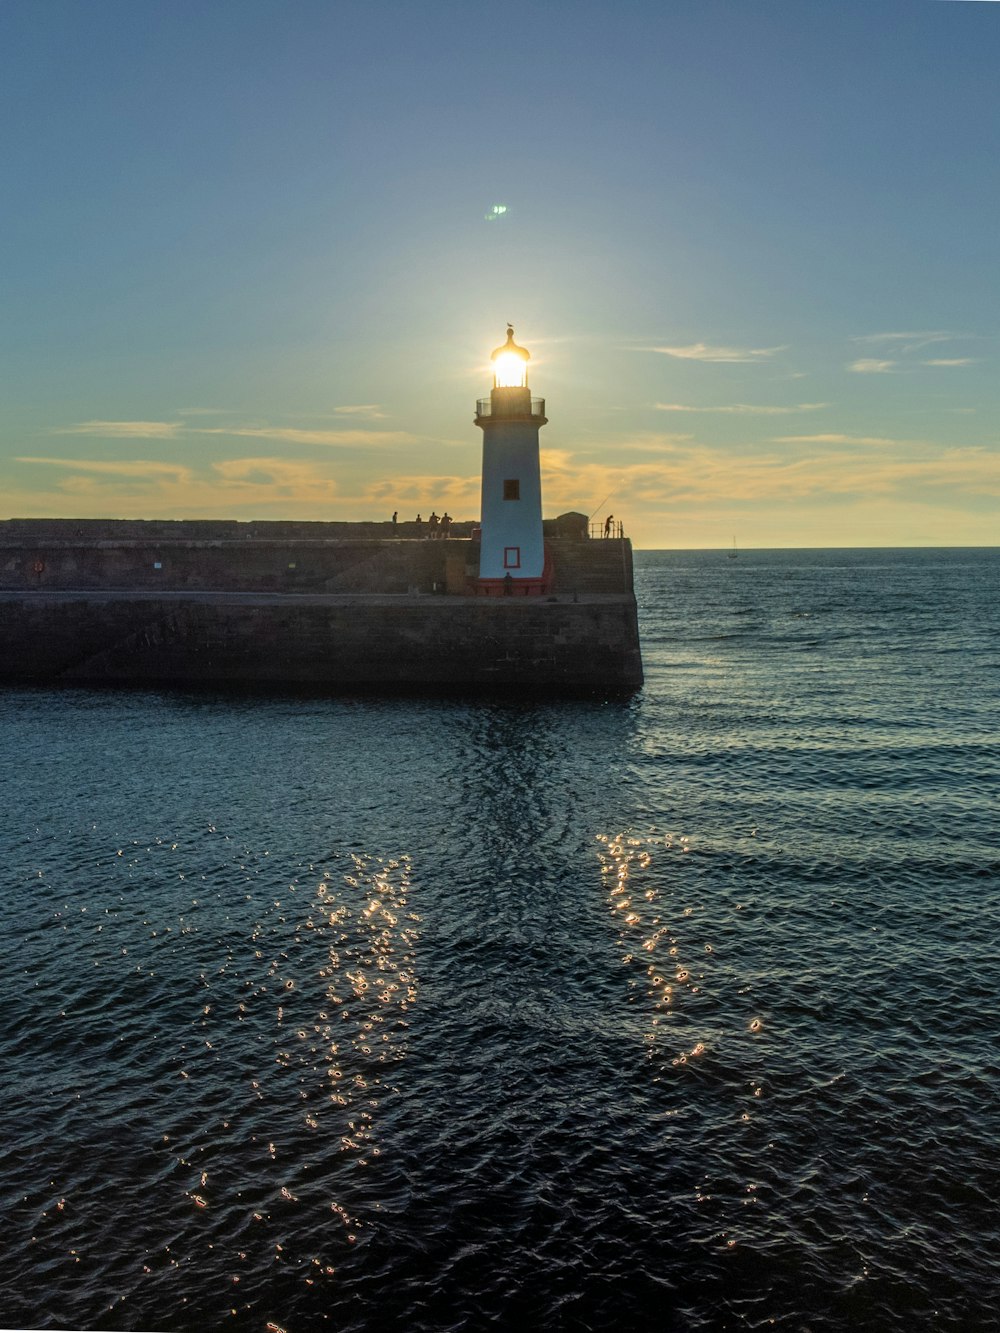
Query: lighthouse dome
{"points": [[511, 363]]}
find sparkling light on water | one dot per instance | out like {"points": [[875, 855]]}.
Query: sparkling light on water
{"points": [[667, 1013]]}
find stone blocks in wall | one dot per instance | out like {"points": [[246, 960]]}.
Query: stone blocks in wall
{"points": [[327, 644]]}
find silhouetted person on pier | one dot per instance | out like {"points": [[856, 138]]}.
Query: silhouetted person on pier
{"points": [[607, 525], [445, 523], [395, 520], [432, 523], [419, 525]]}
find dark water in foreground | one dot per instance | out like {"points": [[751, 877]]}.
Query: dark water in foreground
{"points": [[677, 1014]]}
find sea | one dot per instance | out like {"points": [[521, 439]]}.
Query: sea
{"points": [[674, 1012]]}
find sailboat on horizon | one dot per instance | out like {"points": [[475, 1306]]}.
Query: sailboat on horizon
{"points": [[733, 553]]}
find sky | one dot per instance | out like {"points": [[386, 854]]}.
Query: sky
{"points": [[251, 266]]}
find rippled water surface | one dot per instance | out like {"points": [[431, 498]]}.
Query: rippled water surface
{"points": [[676, 1013]]}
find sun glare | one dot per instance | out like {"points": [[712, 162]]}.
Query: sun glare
{"points": [[511, 371]]}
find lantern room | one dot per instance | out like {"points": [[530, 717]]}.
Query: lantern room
{"points": [[510, 364]]}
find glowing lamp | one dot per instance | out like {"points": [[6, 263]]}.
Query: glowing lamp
{"points": [[510, 364]]}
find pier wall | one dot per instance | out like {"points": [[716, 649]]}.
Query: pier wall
{"points": [[245, 605], [324, 643]]}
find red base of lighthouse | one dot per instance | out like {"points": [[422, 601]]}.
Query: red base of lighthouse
{"points": [[509, 586]]}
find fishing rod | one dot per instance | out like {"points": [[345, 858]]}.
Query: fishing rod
{"points": [[606, 499]]}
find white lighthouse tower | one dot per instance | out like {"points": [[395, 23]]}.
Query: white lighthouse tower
{"points": [[512, 554]]}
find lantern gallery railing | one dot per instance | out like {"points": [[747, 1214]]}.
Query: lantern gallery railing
{"points": [[485, 408]]}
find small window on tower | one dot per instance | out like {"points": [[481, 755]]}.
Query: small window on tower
{"points": [[512, 557], [512, 490]]}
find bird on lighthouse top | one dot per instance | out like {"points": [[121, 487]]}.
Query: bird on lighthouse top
{"points": [[510, 364]]}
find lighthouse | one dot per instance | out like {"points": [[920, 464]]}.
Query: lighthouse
{"points": [[512, 554]]}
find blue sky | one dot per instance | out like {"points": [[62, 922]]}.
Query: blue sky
{"points": [[752, 247]]}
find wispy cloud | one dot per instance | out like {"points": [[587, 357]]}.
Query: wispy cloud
{"points": [[744, 409], [369, 411], [901, 346], [124, 430], [659, 443], [684, 482], [908, 342], [293, 435], [837, 438], [705, 352], [347, 437], [713, 478], [123, 467], [273, 486], [704, 476], [279, 477], [899, 351], [457, 494], [151, 488], [870, 366]]}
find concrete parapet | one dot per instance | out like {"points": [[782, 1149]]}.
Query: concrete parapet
{"points": [[89, 530], [33, 557]]}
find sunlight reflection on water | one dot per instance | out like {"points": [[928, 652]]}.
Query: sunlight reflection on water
{"points": [[589, 1015]]}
